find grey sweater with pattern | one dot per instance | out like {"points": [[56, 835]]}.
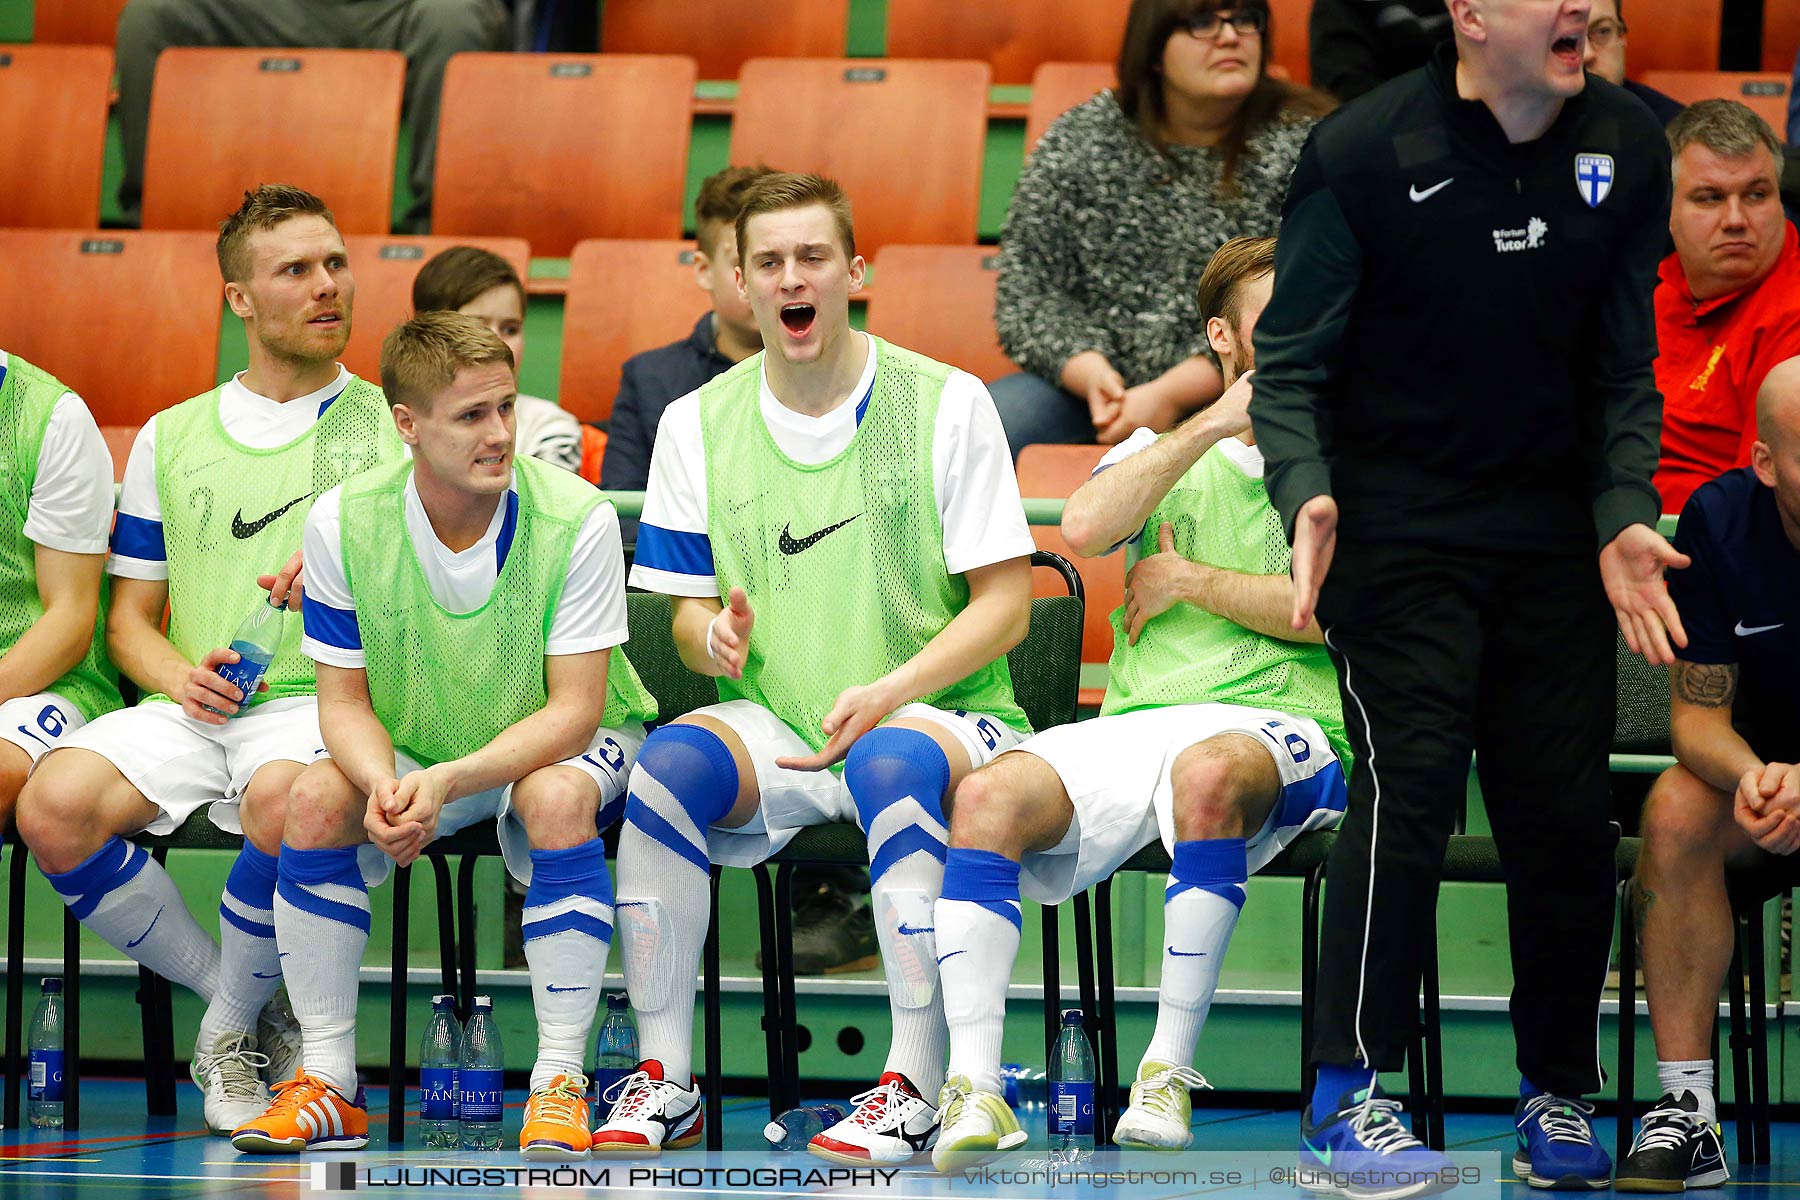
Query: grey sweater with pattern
{"points": [[1106, 239]]}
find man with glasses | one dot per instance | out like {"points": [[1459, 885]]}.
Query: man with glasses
{"points": [[1606, 58]]}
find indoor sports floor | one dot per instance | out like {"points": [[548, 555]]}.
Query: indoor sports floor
{"points": [[120, 1154]]}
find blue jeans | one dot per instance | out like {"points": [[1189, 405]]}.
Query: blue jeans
{"points": [[1032, 409]]}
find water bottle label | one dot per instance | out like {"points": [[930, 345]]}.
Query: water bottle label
{"points": [[244, 674], [47, 1076], [604, 1080], [1071, 1109], [437, 1094], [482, 1093]]}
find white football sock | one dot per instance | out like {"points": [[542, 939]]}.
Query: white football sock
{"points": [[978, 926], [322, 925], [567, 926], [128, 900], [249, 961]]}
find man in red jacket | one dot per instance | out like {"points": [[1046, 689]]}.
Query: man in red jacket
{"points": [[1728, 304]]}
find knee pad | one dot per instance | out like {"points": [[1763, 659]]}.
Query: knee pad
{"points": [[647, 952], [684, 781], [905, 929]]}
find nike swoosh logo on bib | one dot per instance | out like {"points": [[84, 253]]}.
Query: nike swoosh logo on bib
{"points": [[241, 528], [792, 545]]}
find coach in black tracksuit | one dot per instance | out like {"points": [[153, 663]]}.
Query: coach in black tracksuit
{"points": [[1458, 353]]}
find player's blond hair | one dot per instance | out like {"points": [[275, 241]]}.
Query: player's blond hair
{"points": [[781, 191], [421, 357], [262, 210]]}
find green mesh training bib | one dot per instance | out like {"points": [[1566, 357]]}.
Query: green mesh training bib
{"points": [[446, 684], [231, 513], [843, 560], [27, 398], [1222, 517]]}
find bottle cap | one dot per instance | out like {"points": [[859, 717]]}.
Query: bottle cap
{"points": [[53, 985], [1072, 1016], [617, 1000], [773, 1132], [485, 1003], [443, 1003]]}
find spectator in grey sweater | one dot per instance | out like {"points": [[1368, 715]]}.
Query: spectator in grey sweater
{"points": [[1119, 209]]}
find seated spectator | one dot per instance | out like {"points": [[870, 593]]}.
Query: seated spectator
{"points": [[478, 283], [1357, 44], [1117, 213], [1606, 58], [726, 335], [1728, 304], [1733, 800], [427, 34]]}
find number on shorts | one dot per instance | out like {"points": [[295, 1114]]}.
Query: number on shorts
{"points": [[51, 721], [984, 727], [612, 756], [1297, 748]]}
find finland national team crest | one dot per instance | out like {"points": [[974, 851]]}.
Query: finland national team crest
{"points": [[1594, 176]]}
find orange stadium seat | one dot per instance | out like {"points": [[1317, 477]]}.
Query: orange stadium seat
{"points": [[1011, 36], [735, 30], [1781, 36], [1766, 93], [53, 102], [128, 320], [623, 297], [224, 121], [1675, 35], [119, 439], [939, 300], [905, 137], [383, 268], [1054, 472], [1289, 53], [76, 22], [556, 148], [1058, 87]]}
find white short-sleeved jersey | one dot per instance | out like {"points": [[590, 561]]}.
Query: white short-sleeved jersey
{"points": [[590, 615], [71, 496], [972, 478], [250, 419]]}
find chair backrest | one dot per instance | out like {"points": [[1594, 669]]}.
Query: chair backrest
{"points": [[84, 317], [224, 121], [1046, 666], [76, 22], [1058, 87], [722, 34], [651, 649], [1781, 36], [1675, 35], [1054, 472], [1764, 92], [904, 137], [119, 440], [1011, 36], [1290, 52], [1642, 692], [623, 297], [556, 148], [53, 102], [384, 268], [939, 300]]}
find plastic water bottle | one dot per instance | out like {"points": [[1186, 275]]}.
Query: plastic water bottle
{"points": [[793, 1129], [1072, 1088], [47, 1058], [440, 1056], [255, 641], [478, 1079], [615, 1049]]}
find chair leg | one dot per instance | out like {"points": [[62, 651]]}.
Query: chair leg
{"points": [[71, 1030], [1627, 1081], [715, 1065], [1084, 972], [1052, 970], [465, 926], [402, 884], [447, 947], [1309, 977], [1759, 1035], [774, 1028], [15, 980], [1107, 1112], [1740, 1050], [788, 1081]]}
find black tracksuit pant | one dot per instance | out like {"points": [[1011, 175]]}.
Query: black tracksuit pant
{"points": [[1440, 653]]}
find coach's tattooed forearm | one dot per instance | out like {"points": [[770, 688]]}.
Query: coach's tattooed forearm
{"points": [[1706, 685]]}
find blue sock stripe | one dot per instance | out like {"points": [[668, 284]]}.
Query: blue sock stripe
{"points": [[253, 928], [908, 841], [96, 872], [306, 900], [979, 875], [334, 864], [1231, 893], [1001, 908], [580, 922], [1210, 860], [252, 877], [610, 814], [653, 826], [575, 871]]}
